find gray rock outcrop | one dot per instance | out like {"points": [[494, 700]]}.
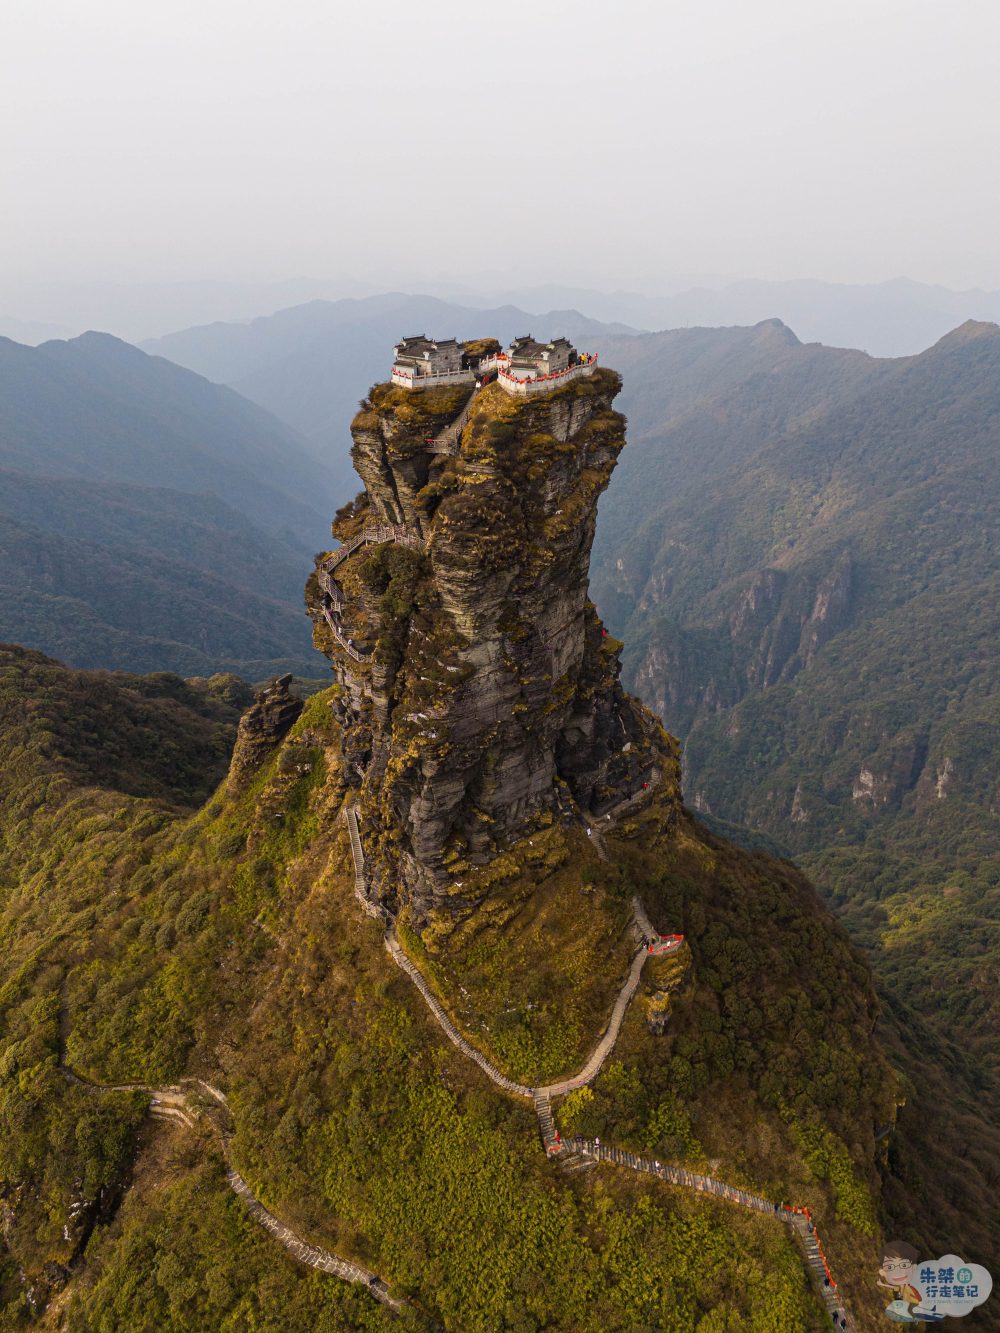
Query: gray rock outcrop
{"points": [[488, 696], [262, 726]]}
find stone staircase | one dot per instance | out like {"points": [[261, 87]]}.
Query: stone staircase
{"points": [[333, 605], [187, 1103], [374, 535], [311, 1255], [351, 819], [606, 1044], [402, 960], [799, 1219], [546, 1122], [816, 1262], [448, 440], [166, 1104], [373, 909]]}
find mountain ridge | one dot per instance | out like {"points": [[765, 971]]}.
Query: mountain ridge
{"points": [[813, 621], [156, 397], [147, 516]]}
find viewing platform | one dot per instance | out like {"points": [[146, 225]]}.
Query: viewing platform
{"points": [[407, 378], [508, 380]]}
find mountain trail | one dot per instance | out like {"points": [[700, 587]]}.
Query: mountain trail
{"points": [[186, 1103], [581, 1151], [193, 1101]]}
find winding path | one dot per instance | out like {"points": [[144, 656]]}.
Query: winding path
{"points": [[578, 1152], [312, 1255], [589, 1071], [173, 1102], [333, 603]]}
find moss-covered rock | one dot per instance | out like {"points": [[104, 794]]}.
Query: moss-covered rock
{"points": [[492, 695]]}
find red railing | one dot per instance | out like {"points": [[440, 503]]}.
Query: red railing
{"points": [[585, 363], [665, 943]]}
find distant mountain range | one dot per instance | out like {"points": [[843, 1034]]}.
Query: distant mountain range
{"points": [[150, 520], [97, 407], [800, 550], [895, 318], [305, 363], [310, 364], [137, 310], [153, 520]]}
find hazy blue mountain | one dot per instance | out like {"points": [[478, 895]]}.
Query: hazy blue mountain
{"points": [[150, 520], [137, 310], [895, 318], [97, 407]]}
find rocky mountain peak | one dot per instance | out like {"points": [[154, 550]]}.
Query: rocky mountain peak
{"points": [[969, 331], [479, 693], [778, 331]]}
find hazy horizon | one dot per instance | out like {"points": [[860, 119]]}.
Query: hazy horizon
{"points": [[457, 151]]}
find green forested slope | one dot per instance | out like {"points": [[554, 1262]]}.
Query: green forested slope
{"points": [[160, 525], [145, 937], [819, 623], [701, 401], [120, 604]]}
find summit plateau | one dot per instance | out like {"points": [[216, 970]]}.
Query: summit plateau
{"points": [[476, 689]]}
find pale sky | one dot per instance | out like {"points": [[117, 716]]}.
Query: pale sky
{"points": [[606, 144]]}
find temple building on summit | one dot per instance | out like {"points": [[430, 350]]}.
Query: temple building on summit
{"points": [[526, 357], [423, 356], [528, 366]]}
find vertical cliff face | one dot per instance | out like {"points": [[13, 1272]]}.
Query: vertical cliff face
{"points": [[486, 699]]}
